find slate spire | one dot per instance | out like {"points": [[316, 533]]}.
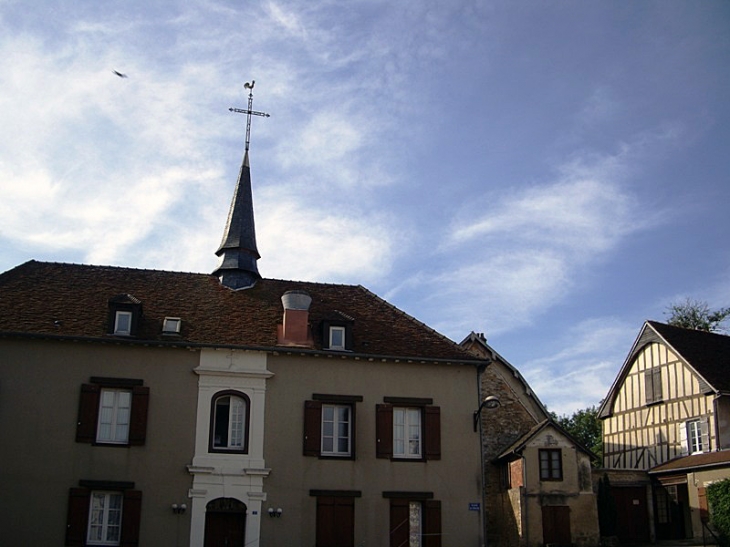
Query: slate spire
{"points": [[238, 252]]}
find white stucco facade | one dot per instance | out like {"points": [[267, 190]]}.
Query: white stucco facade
{"points": [[229, 475]]}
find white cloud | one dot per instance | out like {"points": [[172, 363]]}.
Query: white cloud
{"points": [[581, 373]]}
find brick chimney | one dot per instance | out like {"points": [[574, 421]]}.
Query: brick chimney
{"points": [[295, 329]]}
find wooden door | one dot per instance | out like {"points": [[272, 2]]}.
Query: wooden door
{"points": [[556, 525], [225, 524]]}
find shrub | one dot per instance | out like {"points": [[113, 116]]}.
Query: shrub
{"points": [[718, 496]]}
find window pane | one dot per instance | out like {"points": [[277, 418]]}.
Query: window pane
{"points": [[236, 420], [222, 408], [336, 429]]}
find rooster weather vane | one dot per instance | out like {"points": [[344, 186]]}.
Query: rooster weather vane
{"points": [[249, 111]]}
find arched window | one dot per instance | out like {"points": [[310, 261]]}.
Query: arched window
{"points": [[229, 422]]}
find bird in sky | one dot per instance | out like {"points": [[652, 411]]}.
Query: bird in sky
{"points": [[119, 74]]}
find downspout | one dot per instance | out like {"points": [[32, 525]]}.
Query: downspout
{"points": [[483, 512]]}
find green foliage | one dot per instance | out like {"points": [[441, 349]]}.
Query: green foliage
{"points": [[697, 315], [585, 426], [718, 497], [606, 508]]}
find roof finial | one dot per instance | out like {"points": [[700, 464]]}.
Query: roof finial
{"points": [[249, 111]]}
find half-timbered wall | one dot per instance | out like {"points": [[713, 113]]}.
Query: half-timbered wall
{"points": [[648, 425]]}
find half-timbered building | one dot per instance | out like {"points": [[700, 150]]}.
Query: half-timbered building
{"points": [[666, 430]]}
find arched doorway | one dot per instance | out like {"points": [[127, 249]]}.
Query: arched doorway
{"points": [[225, 523]]}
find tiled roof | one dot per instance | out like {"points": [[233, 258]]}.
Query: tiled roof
{"points": [[706, 352], [70, 300], [708, 459]]}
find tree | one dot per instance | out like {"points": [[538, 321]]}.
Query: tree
{"points": [[697, 315], [585, 426]]}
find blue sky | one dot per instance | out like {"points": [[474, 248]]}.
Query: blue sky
{"points": [[549, 173]]}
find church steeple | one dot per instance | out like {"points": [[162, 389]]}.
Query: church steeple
{"points": [[238, 252]]}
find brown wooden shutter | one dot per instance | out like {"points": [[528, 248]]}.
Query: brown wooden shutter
{"points": [[432, 432], [88, 413], [312, 428], [345, 519], [431, 523], [131, 516], [78, 513], [384, 431], [138, 418], [399, 522], [335, 521]]}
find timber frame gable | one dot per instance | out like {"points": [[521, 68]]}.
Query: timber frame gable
{"points": [[664, 402]]}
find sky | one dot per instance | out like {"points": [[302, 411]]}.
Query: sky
{"points": [[549, 173]]}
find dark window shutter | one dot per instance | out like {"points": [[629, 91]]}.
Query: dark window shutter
{"points": [[431, 523], [384, 431], [432, 432], [399, 522], [78, 513], [335, 521], [131, 516], [312, 428], [138, 418], [88, 413], [345, 519]]}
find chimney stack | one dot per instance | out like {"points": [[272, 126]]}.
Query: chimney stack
{"points": [[295, 329]]}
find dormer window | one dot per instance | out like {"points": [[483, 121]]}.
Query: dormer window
{"points": [[336, 331], [337, 337], [171, 325], [123, 323], [125, 312]]}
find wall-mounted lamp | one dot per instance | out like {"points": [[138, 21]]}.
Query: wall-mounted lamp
{"points": [[488, 402], [275, 512], [179, 509]]}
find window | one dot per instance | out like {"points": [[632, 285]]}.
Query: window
{"points": [[113, 411], [171, 325], [123, 323], [335, 517], [408, 429], [229, 422], [103, 513], [337, 332], [415, 519], [407, 432], [329, 426], [125, 312], [695, 436], [653, 385], [105, 518], [337, 338], [551, 464], [336, 429]]}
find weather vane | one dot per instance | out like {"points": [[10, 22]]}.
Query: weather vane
{"points": [[249, 111]]}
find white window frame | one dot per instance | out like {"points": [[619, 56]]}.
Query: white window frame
{"points": [[407, 432], [171, 325], [114, 417], [101, 519], [337, 331], [236, 422], [119, 326], [695, 437], [332, 432]]}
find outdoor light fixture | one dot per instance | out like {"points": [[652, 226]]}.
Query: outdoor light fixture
{"points": [[275, 512], [488, 402], [179, 509]]}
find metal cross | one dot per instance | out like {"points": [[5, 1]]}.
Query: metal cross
{"points": [[249, 112]]}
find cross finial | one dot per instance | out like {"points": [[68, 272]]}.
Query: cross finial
{"points": [[249, 111]]}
